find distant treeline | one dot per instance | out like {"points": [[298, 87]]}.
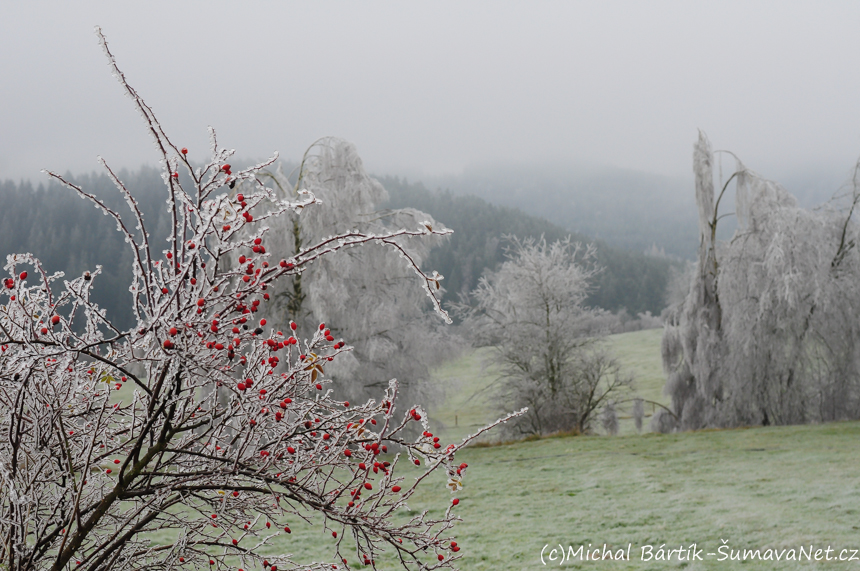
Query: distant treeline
{"points": [[67, 234], [630, 280]]}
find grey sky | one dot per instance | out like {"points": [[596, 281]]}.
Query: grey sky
{"points": [[431, 88]]}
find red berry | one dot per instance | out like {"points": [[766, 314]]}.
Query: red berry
{"points": [[240, 197], [395, 489], [293, 325], [168, 344], [455, 501], [334, 534], [23, 276], [173, 331], [225, 168], [184, 151], [55, 319], [287, 529], [441, 557], [368, 486]]}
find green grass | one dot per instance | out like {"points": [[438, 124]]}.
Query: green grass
{"points": [[764, 487], [639, 353], [757, 488]]}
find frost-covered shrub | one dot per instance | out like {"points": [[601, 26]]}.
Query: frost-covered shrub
{"points": [[230, 432]]}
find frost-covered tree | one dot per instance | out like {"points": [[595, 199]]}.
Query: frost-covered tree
{"points": [[546, 341], [364, 295], [767, 333], [231, 432]]}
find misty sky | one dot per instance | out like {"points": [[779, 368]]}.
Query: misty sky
{"points": [[434, 87]]}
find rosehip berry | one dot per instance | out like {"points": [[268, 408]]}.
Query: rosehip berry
{"points": [[184, 151]]}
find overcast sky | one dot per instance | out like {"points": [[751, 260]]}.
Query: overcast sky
{"points": [[434, 87]]}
